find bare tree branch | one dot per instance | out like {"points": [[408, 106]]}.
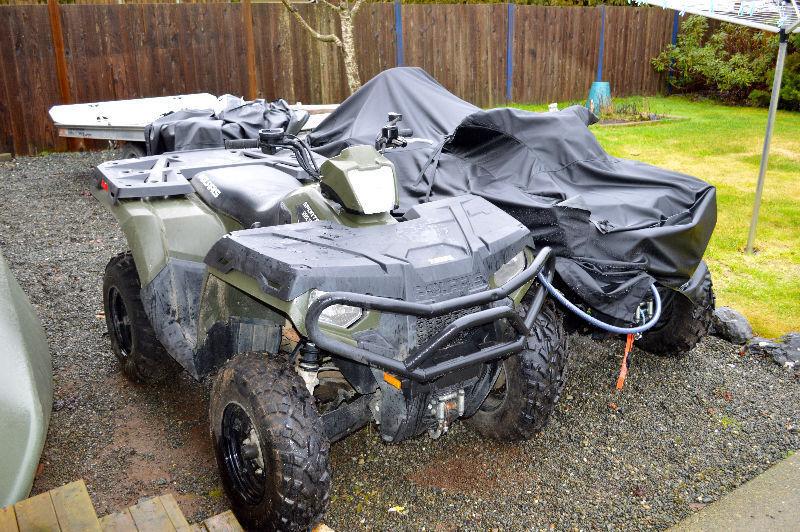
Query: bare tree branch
{"points": [[332, 6], [330, 37], [356, 6]]}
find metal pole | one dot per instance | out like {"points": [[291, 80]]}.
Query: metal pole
{"points": [[773, 108], [509, 51], [398, 33], [602, 47]]}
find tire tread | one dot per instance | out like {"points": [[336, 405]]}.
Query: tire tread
{"points": [[148, 361], [686, 325], [537, 375], [296, 432]]}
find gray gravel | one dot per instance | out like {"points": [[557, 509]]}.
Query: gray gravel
{"points": [[680, 435]]}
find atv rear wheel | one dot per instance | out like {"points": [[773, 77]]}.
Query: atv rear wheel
{"points": [[133, 340], [132, 150], [683, 322], [529, 384], [270, 444]]}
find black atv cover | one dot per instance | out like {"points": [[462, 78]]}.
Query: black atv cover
{"points": [[615, 224], [204, 128]]}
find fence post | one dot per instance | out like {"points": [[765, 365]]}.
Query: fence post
{"points": [[676, 22], [398, 32], [250, 49], [602, 43], [509, 52], [61, 64]]}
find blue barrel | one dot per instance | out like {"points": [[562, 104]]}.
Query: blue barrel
{"points": [[599, 97]]}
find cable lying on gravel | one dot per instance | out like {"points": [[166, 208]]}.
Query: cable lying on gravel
{"points": [[682, 433]]}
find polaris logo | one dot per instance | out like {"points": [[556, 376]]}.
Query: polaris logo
{"points": [[306, 213], [455, 286], [211, 187], [441, 260]]}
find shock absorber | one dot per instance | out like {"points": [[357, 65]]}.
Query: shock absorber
{"points": [[308, 365]]}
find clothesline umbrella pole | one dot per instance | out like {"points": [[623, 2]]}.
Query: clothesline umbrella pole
{"points": [[773, 109], [778, 16]]}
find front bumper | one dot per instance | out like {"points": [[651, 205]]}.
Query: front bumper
{"points": [[414, 366]]}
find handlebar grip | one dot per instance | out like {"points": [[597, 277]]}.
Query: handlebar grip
{"points": [[240, 144], [406, 132]]}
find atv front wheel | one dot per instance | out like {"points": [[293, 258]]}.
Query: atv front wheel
{"points": [[683, 322], [270, 444], [133, 340], [529, 383]]}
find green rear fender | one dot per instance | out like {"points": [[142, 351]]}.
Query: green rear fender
{"points": [[158, 229]]}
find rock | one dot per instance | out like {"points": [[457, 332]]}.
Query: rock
{"points": [[764, 347], [730, 325], [791, 344], [781, 352]]}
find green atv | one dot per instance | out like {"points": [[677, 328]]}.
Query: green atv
{"points": [[320, 312]]}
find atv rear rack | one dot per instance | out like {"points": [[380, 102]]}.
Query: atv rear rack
{"points": [[411, 367]]}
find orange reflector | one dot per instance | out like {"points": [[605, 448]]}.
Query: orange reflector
{"points": [[391, 379]]}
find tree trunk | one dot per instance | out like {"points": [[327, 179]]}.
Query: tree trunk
{"points": [[349, 51]]}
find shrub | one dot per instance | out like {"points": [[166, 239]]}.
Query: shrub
{"points": [[734, 62]]}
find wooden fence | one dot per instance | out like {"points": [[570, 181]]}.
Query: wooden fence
{"points": [[138, 50]]}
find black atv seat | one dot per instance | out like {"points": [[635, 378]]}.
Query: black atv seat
{"points": [[248, 194]]}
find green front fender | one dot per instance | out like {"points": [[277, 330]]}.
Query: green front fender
{"points": [[26, 390]]}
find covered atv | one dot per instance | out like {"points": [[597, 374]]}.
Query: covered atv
{"points": [[617, 227], [321, 311]]}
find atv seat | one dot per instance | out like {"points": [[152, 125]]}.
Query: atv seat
{"points": [[248, 194]]}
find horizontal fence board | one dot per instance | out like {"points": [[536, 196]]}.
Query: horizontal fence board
{"points": [[136, 50]]}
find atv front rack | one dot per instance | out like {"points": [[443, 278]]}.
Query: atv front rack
{"points": [[412, 366]]}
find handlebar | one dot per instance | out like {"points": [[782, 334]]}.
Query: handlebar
{"points": [[240, 144]]}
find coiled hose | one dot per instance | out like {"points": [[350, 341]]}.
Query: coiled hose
{"points": [[600, 324]]}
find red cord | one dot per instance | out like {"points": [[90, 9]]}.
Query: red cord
{"points": [[623, 371]]}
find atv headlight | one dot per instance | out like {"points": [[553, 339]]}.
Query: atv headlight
{"points": [[510, 269], [337, 315]]}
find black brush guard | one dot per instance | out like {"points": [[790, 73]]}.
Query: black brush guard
{"points": [[412, 366]]}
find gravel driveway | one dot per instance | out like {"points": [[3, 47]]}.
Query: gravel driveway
{"points": [[681, 434]]}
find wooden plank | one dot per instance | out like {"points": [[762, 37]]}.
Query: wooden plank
{"points": [[118, 522], [58, 50], [250, 48], [6, 118], [61, 63], [151, 516], [224, 522], [74, 508], [36, 514], [173, 511], [8, 520], [197, 527]]}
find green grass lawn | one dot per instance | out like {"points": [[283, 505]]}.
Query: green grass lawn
{"points": [[722, 145]]}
